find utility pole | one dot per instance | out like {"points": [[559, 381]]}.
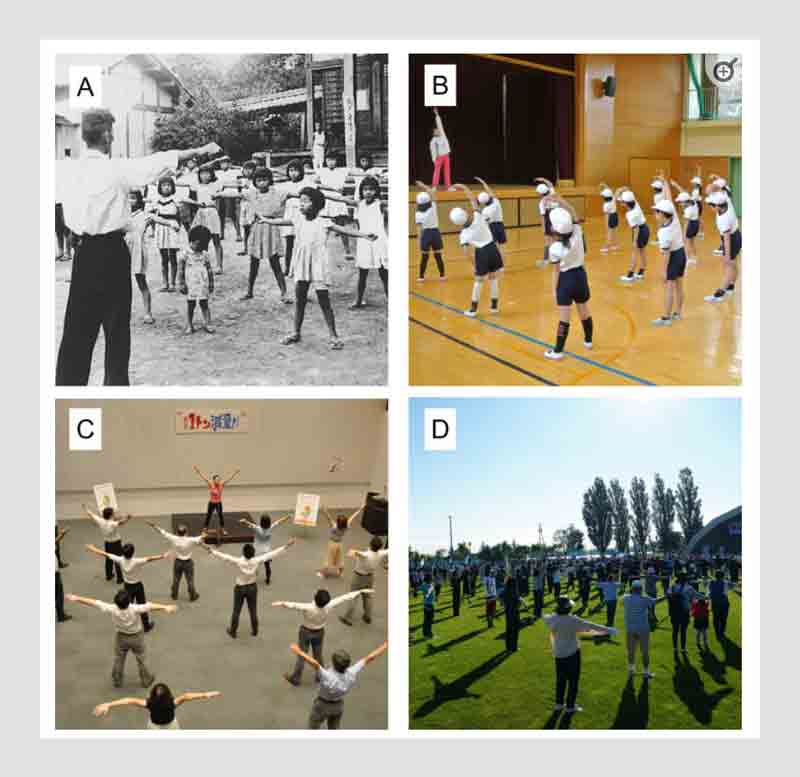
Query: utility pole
{"points": [[450, 517]]}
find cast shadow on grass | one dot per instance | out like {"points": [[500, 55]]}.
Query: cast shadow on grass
{"points": [[438, 620], [733, 654], [688, 685], [458, 688], [633, 711], [713, 667], [434, 650], [562, 720]]}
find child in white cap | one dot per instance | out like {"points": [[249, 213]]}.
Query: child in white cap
{"points": [[492, 211], [488, 261], [728, 227], [430, 238], [570, 283], [544, 188], [670, 242], [640, 231], [612, 219], [696, 194]]}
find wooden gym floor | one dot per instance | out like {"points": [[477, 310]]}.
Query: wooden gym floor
{"points": [[446, 348]]}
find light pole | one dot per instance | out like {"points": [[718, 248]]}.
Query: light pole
{"points": [[450, 518]]}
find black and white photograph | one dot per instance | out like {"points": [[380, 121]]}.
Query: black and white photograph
{"points": [[221, 219]]}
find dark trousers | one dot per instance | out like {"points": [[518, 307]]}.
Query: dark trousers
{"points": [[556, 590], [136, 592], [241, 594], [538, 603], [180, 568], [568, 673], [679, 627], [214, 507], [456, 601], [309, 640], [59, 597], [427, 621], [268, 571], [115, 548], [720, 613], [512, 629], [99, 295], [611, 611]]}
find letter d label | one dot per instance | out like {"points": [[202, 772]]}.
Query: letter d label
{"points": [[440, 428]]}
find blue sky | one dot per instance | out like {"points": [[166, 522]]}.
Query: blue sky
{"points": [[521, 462]]}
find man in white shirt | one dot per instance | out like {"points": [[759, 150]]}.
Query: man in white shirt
{"points": [[312, 630], [130, 565], [366, 562], [184, 563], [94, 191], [334, 684], [129, 636], [246, 589], [109, 528]]}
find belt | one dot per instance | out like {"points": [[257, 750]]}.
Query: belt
{"points": [[364, 574], [329, 701]]}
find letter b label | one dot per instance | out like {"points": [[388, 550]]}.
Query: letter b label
{"points": [[440, 86], [85, 429], [440, 429]]}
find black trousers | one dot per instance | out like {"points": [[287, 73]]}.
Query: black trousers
{"points": [[136, 592], [512, 629], [568, 673], [268, 570], [59, 597], [115, 548], [214, 507], [679, 627], [611, 611], [99, 296], [538, 602], [427, 621], [180, 568], [456, 601], [720, 613], [241, 594]]}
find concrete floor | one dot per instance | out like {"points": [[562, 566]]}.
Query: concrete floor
{"points": [[191, 651]]}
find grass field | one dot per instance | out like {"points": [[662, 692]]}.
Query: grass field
{"points": [[464, 679]]}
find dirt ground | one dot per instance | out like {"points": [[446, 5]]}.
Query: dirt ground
{"points": [[246, 348]]}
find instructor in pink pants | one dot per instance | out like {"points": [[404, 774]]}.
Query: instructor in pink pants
{"points": [[440, 153]]}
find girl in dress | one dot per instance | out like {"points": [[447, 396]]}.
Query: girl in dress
{"points": [[318, 146], [332, 179], [612, 219], [374, 254], [640, 231], [161, 705], [167, 232], [208, 192], [139, 239], [196, 278], [246, 192], [364, 170], [310, 261], [264, 240], [294, 172], [430, 238]]}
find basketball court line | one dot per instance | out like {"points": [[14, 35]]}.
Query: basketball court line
{"points": [[491, 356], [528, 338]]}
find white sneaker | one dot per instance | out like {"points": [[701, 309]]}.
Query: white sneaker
{"points": [[588, 346], [494, 310], [420, 280], [632, 669], [717, 252], [729, 292], [603, 250], [677, 317], [714, 298], [541, 263], [662, 322], [692, 260], [558, 707], [627, 278], [572, 710], [553, 355], [639, 276], [647, 674], [471, 313]]}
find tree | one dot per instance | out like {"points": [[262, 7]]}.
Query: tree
{"points": [[574, 538], [622, 516], [689, 506], [598, 515], [663, 513], [640, 522]]}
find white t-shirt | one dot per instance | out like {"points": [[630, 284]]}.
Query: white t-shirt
{"points": [[691, 212], [183, 545], [314, 617], [670, 236], [564, 630], [727, 222], [368, 561], [477, 233], [334, 686], [609, 589], [127, 621], [108, 528], [248, 567], [493, 212], [568, 256], [609, 206], [129, 567], [427, 219], [635, 217]]}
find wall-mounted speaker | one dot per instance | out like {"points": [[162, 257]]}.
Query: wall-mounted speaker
{"points": [[609, 86]]}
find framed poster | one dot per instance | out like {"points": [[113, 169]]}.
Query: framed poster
{"points": [[105, 497], [306, 510]]}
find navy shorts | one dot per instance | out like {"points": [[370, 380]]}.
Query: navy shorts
{"points": [[487, 259], [431, 238], [736, 244], [498, 230], [613, 220], [573, 286], [692, 228], [644, 236], [676, 266]]}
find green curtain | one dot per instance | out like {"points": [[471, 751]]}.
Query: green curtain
{"points": [[735, 181]]}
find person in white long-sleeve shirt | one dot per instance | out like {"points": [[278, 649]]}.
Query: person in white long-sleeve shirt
{"points": [[564, 629], [109, 528], [246, 589], [440, 152], [366, 562], [183, 545], [312, 629]]}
